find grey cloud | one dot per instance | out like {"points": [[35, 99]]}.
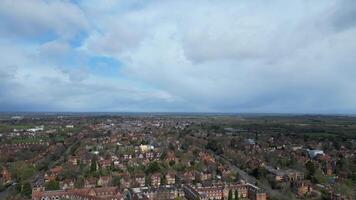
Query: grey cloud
{"points": [[7, 72], [53, 89], [55, 49], [225, 56], [121, 38], [343, 15], [238, 61], [40, 19], [77, 75]]}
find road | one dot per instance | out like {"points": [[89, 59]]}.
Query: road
{"points": [[7, 191], [244, 175], [252, 180]]}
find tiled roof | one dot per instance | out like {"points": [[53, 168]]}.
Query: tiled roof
{"points": [[89, 193]]}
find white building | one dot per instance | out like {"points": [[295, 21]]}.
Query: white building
{"points": [[314, 153]]}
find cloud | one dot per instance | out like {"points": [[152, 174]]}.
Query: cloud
{"points": [[225, 56], [29, 84], [235, 56], [40, 19], [343, 16]]}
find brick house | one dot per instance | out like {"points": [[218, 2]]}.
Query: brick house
{"points": [[170, 178], [90, 182], [111, 193], [140, 179], [156, 179], [104, 181]]}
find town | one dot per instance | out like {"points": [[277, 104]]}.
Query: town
{"points": [[161, 156]]}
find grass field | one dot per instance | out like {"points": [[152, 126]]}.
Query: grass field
{"points": [[29, 140], [7, 127]]}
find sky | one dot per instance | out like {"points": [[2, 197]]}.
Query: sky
{"points": [[235, 56]]}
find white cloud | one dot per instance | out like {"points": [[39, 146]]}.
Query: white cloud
{"points": [[231, 56], [36, 18], [26, 80], [234, 54], [55, 49]]}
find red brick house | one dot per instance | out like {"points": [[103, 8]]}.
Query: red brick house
{"points": [[111, 193], [156, 179], [5, 175], [170, 178], [90, 182]]}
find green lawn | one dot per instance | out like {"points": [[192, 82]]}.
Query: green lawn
{"points": [[8, 127], [29, 140]]}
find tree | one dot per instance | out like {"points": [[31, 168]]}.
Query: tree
{"points": [[259, 172], [22, 171], [311, 168], [172, 162], [14, 197], [196, 152], [93, 166], [79, 183], [233, 143], [115, 181], [171, 147], [163, 155], [52, 185], [153, 167], [236, 195], [230, 195], [26, 190], [2, 186], [18, 188], [237, 176], [213, 145], [341, 165]]}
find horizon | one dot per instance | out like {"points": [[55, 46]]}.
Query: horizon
{"points": [[182, 113], [276, 57]]}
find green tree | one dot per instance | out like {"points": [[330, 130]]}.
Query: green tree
{"points": [[2, 186], [153, 167], [18, 188], [79, 183], [237, 176], [236, 195], [214, 146], [26, 190], [52, 185], [342, 165], [259, 172], [116, 181], [171, 147], [163, 155], [21, 171], [311, 168], [93, 166], [14, 197], [230, 195], [233, 143], [172, 162]]}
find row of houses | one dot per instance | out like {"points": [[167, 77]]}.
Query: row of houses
{"points": [[139, 180], [163, 192], [116, 160], [221, 191], [288, 175], [169, 178], [104, 193]]}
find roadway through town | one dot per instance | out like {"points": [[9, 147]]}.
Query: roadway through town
{"points": [[252, 180]]}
